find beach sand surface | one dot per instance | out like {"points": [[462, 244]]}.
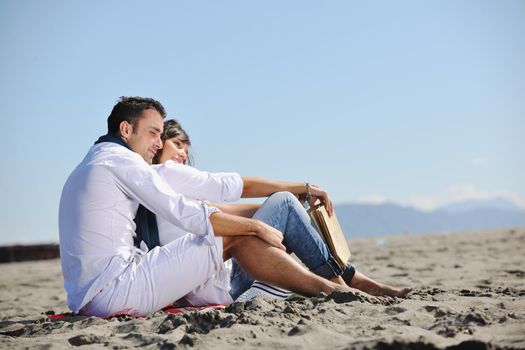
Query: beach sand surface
{"points": [[469, 293]]}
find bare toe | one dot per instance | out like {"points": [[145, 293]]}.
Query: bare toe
{"points": [[401, 293]]}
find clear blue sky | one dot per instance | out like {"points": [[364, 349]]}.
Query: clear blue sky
{"points": [[415, 102]]}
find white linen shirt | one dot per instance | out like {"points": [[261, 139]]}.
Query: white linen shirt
{"points": [[201, 185], [198, 185], [97, 207]]}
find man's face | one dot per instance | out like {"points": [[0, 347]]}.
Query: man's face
{"points": [[144, 138]]}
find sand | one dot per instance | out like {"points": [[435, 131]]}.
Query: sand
{"points": [[469, 294]]}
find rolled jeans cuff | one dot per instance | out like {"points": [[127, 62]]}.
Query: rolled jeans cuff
{"points": [[328, 270], [348, 273]]}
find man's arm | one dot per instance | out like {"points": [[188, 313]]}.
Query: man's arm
{"points": [[261, 187], [246, 210], [232, 225]]}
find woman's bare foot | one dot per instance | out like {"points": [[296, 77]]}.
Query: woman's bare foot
{"points": [[385, 290], [394, 292], [374, 299], [368, 285]]}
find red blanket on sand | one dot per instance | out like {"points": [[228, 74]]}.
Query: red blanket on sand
{"points": [[168, 310]]}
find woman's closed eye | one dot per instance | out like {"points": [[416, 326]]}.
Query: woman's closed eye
{"points": [[178, 144]]}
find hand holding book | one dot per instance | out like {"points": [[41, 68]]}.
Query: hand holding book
{"points": [[315, 193], [331, 232], [320, 194]]}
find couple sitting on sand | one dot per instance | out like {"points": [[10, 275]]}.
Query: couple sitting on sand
{"points": [[207, 253]]}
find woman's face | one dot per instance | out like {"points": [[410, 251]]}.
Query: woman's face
{"points": [[174, 149]]}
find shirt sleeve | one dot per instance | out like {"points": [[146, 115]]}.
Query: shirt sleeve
{"points": [[139, 181], [201, 185]]}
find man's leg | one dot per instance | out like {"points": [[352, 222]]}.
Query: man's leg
{"points": [[160, 277], [272, 265]]}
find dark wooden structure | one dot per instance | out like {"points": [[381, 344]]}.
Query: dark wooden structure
{"points": [[28, 252]]}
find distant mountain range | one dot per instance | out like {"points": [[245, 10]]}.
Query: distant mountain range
{"points": [[362, 220]]}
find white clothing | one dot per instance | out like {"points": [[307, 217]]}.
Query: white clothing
{"points": [[197, 184], [151, 281], [201, 185], [98, 204]]}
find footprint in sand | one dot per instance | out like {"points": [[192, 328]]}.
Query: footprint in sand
{"points": [[87, 339], [473, 317], [438, 312]]}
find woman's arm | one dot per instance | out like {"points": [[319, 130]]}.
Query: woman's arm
{"points": [[246, 210], [261, 187], [202, 185]]}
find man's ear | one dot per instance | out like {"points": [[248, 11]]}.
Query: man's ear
{"points": [[125, 129]]}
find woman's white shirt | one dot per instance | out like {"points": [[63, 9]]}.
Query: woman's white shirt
{"points": [[200, 185], [195, 185]]}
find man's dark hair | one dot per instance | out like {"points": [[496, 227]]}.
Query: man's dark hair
{"points": [[130, 109]]}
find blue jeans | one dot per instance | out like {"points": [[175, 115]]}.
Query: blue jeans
{"points": [[283, 211]]}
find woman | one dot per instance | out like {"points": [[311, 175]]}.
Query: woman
{"points": [[282, 210], [175, 146]]}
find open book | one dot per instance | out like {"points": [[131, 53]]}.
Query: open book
{"points": [[332, 233]]}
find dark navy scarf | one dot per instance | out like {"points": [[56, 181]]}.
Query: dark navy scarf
{"points": [[145, 220]]}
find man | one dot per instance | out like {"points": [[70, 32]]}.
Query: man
{"points": [[105, 274]]}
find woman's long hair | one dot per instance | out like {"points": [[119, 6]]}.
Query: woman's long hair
{"points": [[172, 128]]}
